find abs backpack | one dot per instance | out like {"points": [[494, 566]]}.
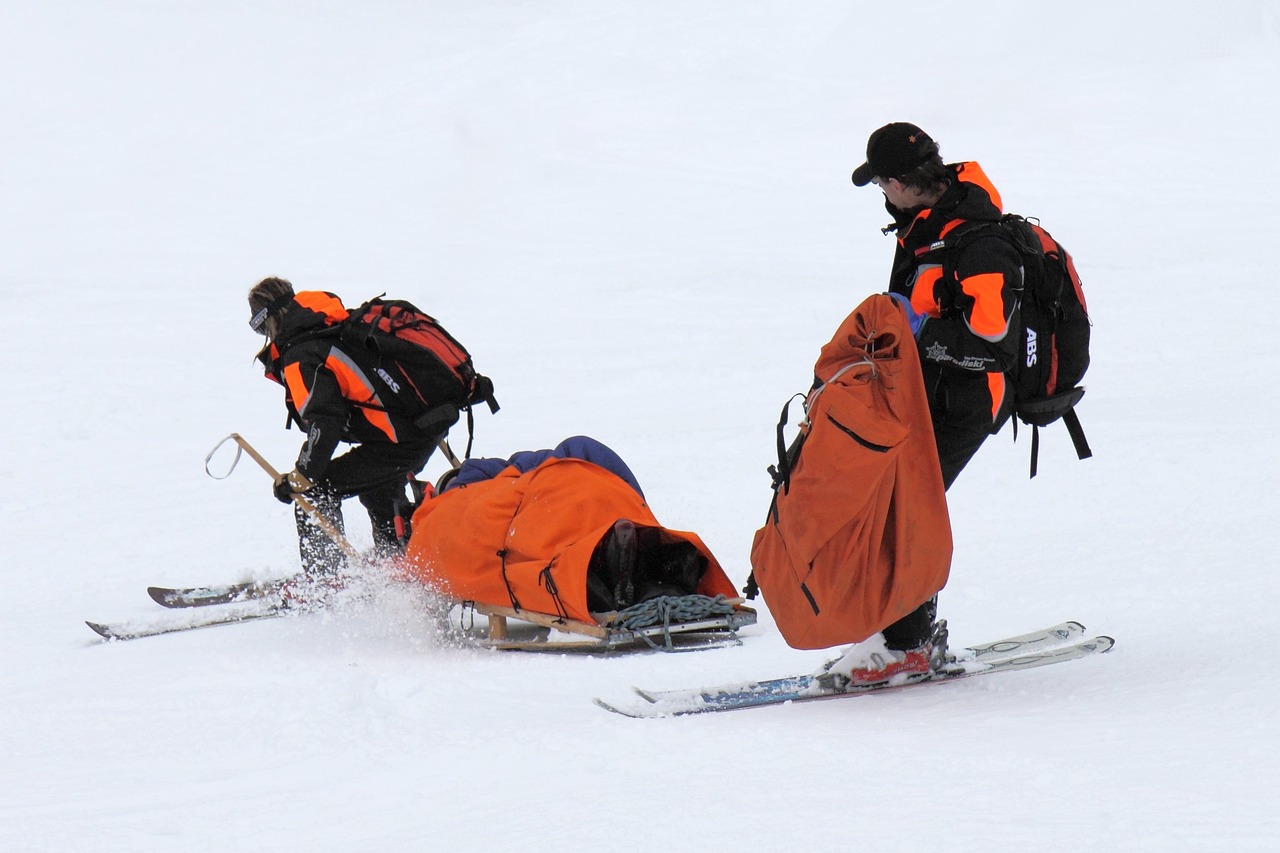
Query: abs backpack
{"points": [[1054, 333], [429, 371]]}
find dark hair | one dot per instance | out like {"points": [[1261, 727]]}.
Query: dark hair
{"points": [[273, 296], [930, 176]]}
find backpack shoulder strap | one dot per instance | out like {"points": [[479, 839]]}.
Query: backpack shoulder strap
{"points": [[320, 333], [1011, 229]]}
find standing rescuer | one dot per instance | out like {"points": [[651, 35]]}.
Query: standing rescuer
{"points": [[961, 314], [335, 394]]}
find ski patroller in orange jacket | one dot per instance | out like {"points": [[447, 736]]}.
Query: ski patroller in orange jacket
{"points": [[858, 534], [525, 540]]}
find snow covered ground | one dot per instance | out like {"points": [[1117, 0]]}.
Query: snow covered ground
{"points": [[639, 218]]}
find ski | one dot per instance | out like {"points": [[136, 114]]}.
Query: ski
{"points": [[205, 596], [1046, 638], [1040, 648], [1063, 634], [261, 600], [134, 631]]}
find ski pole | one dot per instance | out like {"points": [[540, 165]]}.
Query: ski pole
{"points": [[443, 444], [309, 508]]}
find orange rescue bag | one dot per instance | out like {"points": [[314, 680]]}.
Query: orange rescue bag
{"points": [[525, 540], [858, 534]]}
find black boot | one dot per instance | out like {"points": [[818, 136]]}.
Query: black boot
{"points": [[914, 629], [391, 533], [611, 574]]}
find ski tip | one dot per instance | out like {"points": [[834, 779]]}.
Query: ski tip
{"points": [[636, 713], [645, 695], [614, 708], [101, 630], [159, 595], [1103, 643]]}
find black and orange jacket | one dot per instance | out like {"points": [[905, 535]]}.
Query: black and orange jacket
{"points": [[971, 300], [334, 393]]}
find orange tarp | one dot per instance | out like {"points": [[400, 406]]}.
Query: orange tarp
{"points": [[525, 540], [860, 536]]}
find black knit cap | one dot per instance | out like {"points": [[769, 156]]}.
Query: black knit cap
{"points": [[893, 151]]}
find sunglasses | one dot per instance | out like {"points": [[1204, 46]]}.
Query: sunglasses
{"points": [[258, 322]]}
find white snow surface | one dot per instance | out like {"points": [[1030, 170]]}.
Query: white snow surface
{"points": [[639, 218]]}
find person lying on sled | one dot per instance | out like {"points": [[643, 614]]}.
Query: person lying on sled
{"points": [[564, 531]]}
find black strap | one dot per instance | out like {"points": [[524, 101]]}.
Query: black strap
{"points": [[437, 419], [781, 473], [511, 593], [1035, 448], [1072, 420], [548, 583], [482, 392], [1077, 435], [471, 432]]}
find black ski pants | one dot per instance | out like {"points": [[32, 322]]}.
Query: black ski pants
{"points": [[961, 410], [377, 475]]}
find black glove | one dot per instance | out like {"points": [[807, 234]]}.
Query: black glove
{"points": [[290, 484]]}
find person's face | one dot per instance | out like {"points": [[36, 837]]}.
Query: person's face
{"points": [[896, 194]]}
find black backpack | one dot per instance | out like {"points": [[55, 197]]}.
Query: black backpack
{"points": [[1054, 354], [427, 369]]}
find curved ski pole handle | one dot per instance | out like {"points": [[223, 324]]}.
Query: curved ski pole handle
{"points": [[235, 460], [254, 455], [309, 508]]}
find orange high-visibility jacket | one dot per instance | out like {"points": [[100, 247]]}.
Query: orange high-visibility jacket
{"points": [[858, 535], [525, 540]]}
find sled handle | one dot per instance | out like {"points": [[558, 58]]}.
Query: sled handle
{"points": [[305, 505]]}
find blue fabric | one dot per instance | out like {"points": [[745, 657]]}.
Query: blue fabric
{"points": [[577, 447], [916, 320]]}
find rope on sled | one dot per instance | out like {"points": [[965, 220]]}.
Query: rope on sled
{"points": [[667, 610]]}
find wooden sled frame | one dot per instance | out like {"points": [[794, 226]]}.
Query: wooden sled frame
{"points": [[557, 634]]}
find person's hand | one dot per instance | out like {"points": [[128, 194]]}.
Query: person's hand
{"points": [[916, 321], [290, 484]]}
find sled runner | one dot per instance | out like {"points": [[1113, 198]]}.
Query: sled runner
{"points": [[522, 630]]}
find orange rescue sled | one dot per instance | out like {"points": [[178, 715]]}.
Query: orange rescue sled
{"points": [[520, 545]]}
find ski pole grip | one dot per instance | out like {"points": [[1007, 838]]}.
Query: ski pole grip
{"points": [[255, 456]]}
